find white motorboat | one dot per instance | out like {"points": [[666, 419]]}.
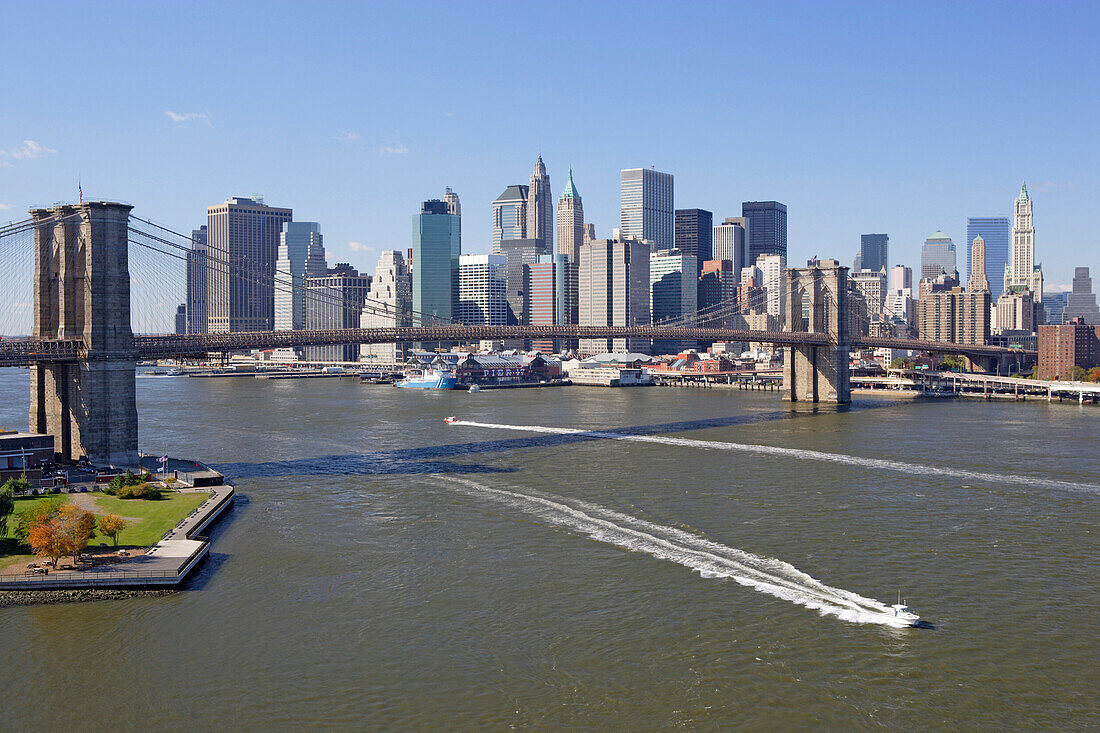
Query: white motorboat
{"points": [[474, 388], [902, 613]]}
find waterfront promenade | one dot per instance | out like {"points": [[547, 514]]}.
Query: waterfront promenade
{"points": [[166, 564]]}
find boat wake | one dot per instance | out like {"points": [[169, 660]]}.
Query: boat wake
{"points": [[802, 454], [709, 559]]}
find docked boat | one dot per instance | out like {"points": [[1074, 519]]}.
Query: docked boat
{"points": [[429, 379]]}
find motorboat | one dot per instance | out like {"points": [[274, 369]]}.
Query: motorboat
{"points": [[902, 613], [450, 419], [474, 388]]}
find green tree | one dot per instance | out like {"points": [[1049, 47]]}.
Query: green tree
{"points": [[1080, 374], [7, 506], [952, 363], [40, 511]]}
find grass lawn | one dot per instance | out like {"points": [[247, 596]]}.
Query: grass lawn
{"points": [[148, 520], [153, 518]]}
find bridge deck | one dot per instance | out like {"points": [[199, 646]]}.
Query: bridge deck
{"points": [[21, 352]]}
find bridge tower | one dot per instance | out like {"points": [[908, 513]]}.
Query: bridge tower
{"points": [[817, 301], [82, 291]]}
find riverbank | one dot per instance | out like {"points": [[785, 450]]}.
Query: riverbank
{"points": [[77, 595]]}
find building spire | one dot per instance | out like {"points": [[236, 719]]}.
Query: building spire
{"points": [[570, 190], [1023, 192]]}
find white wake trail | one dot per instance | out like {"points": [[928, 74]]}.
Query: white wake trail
{"points": [[801, 454], [710, 559]]}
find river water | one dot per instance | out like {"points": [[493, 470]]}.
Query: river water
{"points": [[723, 565]]}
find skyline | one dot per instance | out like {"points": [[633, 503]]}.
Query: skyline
{"points": [[354, 130]]}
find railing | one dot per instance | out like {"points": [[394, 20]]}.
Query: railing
{"points": [[22, 352]]}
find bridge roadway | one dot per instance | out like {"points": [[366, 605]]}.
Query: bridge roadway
{"points": [[22, 352]]}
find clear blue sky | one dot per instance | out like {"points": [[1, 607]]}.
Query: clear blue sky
{"points": [[877, 117]]}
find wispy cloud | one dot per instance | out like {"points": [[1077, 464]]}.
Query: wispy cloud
{"points": [[181, 118], [398, 149], [359, 247], [1053, 186], [347, 137], [30, 150], [5, 207]]}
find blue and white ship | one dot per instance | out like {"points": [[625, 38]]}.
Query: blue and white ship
{"points": [[429, 379]]}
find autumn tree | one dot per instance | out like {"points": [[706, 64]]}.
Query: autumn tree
{"points": [[44, 537], [76, 526], [1094, 376], [110, 525]]}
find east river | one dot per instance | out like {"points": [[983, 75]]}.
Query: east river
{"points": [[727, 566]]}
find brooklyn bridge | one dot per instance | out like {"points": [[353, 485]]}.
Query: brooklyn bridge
{"points": [[96, 271]]}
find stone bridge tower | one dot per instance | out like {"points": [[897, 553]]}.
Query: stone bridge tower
{"points": [[82, 291], [817, 301]]}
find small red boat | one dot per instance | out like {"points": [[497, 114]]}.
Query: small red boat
{"points": [[450, 419]]}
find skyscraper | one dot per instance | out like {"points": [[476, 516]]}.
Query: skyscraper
{"points": [[947, 312], [646, 206], [388, 305], [482, 290], [570, 221], [718, 282], [1022, 272], [510, 215], [518, 255], [730, 242], [1081, 302], [301, 255], [773, 274], [695, 234], [996, 233], [871, 284], [335, 300], [613, 290], [976, 256], [243, 244], [540, 208], [901, 277], [454, 206], [937, 255], [1054, 307], [198, 266], [874, 252], [674, 287], [767, 231], [437, 245], [553, 283]]}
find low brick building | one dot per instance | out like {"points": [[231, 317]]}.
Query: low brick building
{"points": [[24, 454], [1066, 346]]}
